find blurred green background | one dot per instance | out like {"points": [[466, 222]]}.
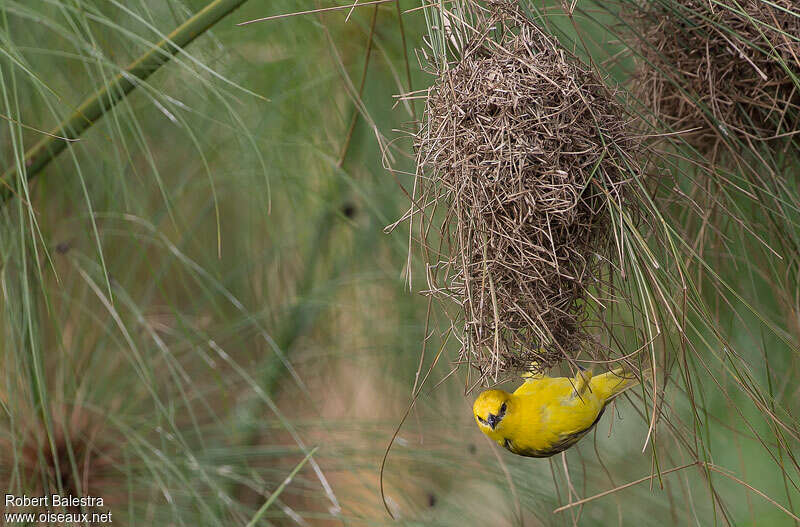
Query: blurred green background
{"points": [[200, 291]]}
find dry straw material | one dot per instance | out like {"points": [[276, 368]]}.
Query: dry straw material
{"points": [[721, 69], [524, 156]]}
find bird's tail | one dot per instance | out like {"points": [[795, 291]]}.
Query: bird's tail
{"points": [[612, 383]]}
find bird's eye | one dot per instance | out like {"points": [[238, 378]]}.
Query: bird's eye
{"points": [[503, 409]]}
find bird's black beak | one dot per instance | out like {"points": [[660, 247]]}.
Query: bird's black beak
{"points": [[493, 420]]}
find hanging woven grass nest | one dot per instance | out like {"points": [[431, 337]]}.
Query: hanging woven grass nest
{"points": [[720, 70], [524, 154]]}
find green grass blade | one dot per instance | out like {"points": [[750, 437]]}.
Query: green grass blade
{"points": [[280, 488]]}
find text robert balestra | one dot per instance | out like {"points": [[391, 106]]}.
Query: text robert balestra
{"points": [[52, 500]]}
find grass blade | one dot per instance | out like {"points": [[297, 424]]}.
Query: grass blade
{"points": [[280, 488]]}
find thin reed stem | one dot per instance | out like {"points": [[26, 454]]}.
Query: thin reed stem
{"points": [[104, 99]]}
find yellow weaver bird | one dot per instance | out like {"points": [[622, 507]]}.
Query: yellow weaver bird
{"points": [[547, 415]]}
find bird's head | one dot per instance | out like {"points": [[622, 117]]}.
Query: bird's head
{"points": [[489, 410]]}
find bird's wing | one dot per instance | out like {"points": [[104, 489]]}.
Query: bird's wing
{"points": [[549, 389]]}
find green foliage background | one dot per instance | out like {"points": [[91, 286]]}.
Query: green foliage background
{"points": [[200, 291]]}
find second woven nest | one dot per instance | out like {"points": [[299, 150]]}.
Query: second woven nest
{"points": [[720, 70], [530, 154]]}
